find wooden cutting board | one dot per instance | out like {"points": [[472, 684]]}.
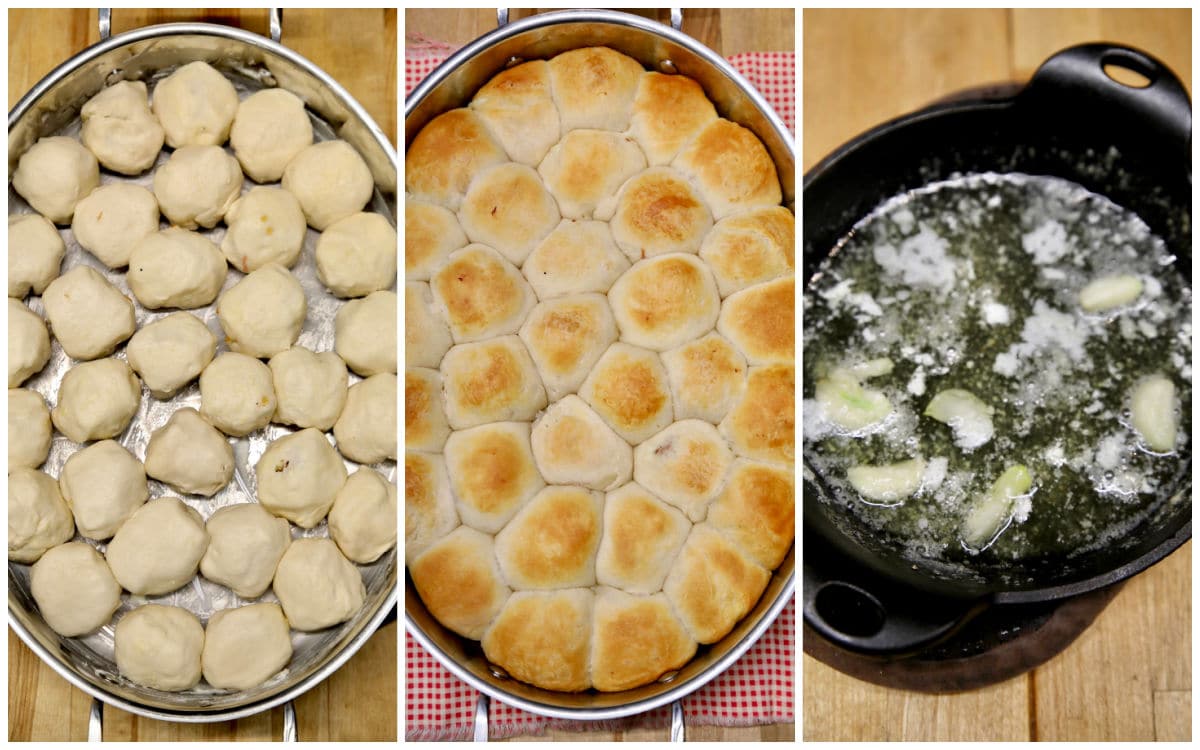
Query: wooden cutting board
{"points": [[729, 32], [1129, 676], [357, 48]]}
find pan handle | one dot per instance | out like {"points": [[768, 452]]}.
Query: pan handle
{"points": [[104, 22], [858, 608], [1075, 83], [676, 18]]}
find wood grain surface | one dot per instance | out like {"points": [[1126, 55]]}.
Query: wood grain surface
{"points": [[358, 49], [1128, 677], [728, 32]]}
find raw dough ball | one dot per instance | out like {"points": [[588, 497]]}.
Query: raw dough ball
{"points": [[195, 105], [28, 428], [170, 352], [317, 586], [270, 127], [363, 519], [89, 316], [263, 313], [330, 180], [38, 517], [237, 394], [28, 343], [299, 476], [190, 455], [245, 646], [365, 333], [357, 255], [197, 185], [159, 548], [366, 430], [175, 268], [54, 174], [120, 129], [245, 544], [35, 252], [111, 220], [104, 484], [310, 387], [74, 589], [96, 400], [266, 225], [159, 647]]}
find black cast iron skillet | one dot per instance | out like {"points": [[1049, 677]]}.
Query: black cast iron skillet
{"points": [[1073, 121]]}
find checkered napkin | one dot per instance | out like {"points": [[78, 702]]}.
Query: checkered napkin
{"points": [[758, 689]]}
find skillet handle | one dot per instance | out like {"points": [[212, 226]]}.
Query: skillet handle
{"points": [[1074, 83], [857, 609]]}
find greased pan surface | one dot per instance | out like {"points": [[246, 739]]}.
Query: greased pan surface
{"points": [[452, 85], [52, 107], [1071, 121]]}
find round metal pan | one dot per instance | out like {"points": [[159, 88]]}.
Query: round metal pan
{"points": [[251, 62], [665, 49], [1132, 145]]}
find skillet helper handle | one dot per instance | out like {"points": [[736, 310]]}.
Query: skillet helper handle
{"points": [[1074, 81], [856, 608], [104, 21], [676, 18]]}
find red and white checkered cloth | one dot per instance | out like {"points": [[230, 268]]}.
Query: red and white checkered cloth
{"points": [[758, 689], [772, 73]]}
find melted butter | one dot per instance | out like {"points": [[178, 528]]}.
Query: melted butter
{"points": [[974, 284]]}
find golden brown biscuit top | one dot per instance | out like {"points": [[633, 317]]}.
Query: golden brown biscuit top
{"points": [[446, 155]]}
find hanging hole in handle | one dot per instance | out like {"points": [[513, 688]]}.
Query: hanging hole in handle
{"points": [[1127, 69], [849, 609]]}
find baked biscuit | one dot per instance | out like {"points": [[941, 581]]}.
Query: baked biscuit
{"points": [[577, 257], [480, 294], [492, 473], [565, 337], [446, 155], [425, 425], [685, 465], [518, 109], [426, 336], [657, 212], [731, 168], [642, 535], [707, 377], [668, 110], [507, 207], [544, 637], [491, 381], [663, 302], [757, 511], [573, 445], [635, 640], [429, 512], [431, 233], [459, 581], [761, 321], [587, 167], [594, 88], [551, 543], [713, 584], [762, 425], [628, 389], [751, 247]]}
